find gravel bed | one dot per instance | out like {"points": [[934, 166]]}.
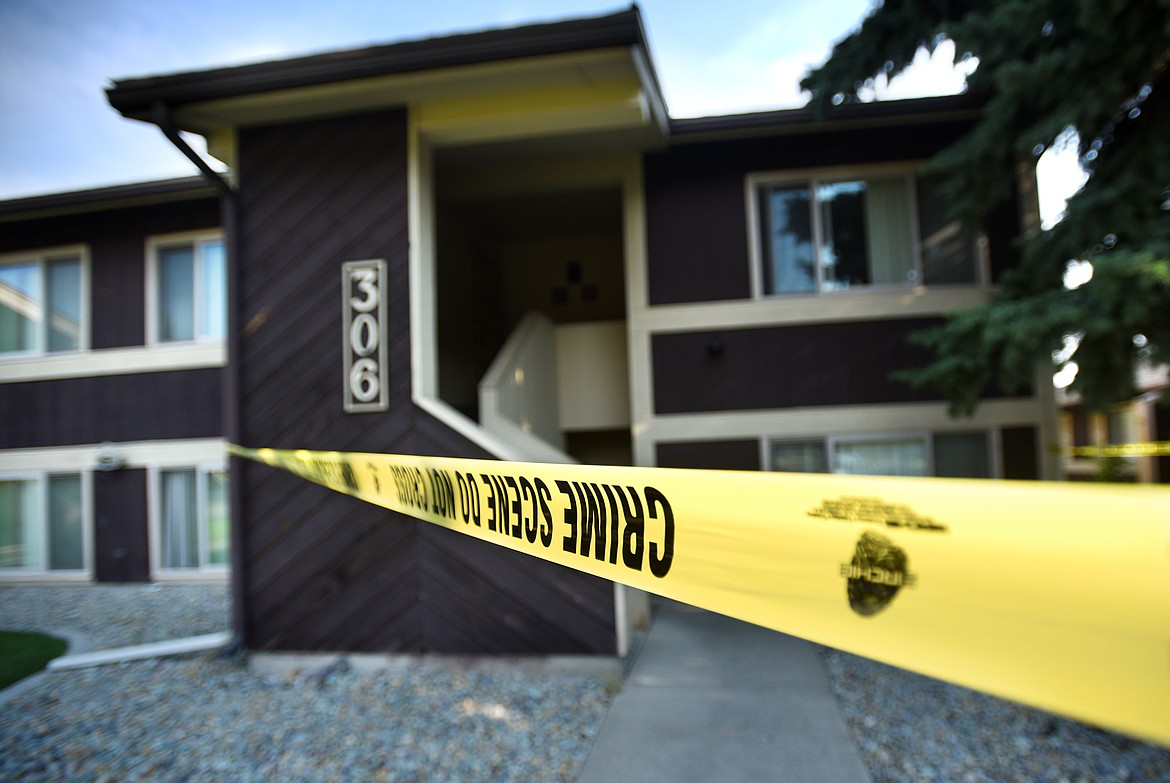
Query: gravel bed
{"points": [[914, 728], [208, 718]]}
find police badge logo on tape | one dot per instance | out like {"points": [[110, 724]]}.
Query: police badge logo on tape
{"points": [[876, 573]]}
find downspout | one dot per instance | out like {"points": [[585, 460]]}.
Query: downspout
{"points": [[229, 217]]}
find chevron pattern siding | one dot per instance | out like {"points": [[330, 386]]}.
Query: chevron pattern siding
{"points": [[323, 571]]}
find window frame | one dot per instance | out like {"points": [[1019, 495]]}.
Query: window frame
{"points": [[42, 572], [922, 436], [203, 470], [154, 245], [42, 257], [811, 178], [927, 437]]}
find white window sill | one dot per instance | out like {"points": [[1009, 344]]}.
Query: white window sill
{"points": [[15, 577], [114, 361]]}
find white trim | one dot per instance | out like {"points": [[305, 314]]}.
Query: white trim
{"points": [[854, 305], [795, 423], [638, 313], [137, 454], [41, 256], [153, 244], [164, 357], [421, 258]]}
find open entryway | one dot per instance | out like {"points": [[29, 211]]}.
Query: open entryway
{"points": [[531, 302]]}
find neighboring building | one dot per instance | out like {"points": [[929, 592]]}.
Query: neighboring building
{"points": [[550, 268], [1141, 420], [112, 351]]}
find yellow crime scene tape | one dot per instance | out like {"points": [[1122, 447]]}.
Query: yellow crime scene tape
{"points": [[1056, 595], [1151, 449]]}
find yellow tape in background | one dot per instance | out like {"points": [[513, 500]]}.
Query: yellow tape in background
{"points": [[1151, 449], [1056, 595]]}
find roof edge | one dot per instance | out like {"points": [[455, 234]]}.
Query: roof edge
{"points": [[932, 109], [134, 97], [112, 196]]}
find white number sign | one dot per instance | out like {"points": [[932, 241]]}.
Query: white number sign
{"points": [[363, 335]]}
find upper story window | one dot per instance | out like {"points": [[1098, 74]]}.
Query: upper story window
{"points": [[838, 231], [186, 288], [43, 303]]}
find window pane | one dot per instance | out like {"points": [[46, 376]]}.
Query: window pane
{"points": [[179, 526], [843, 248], [21, 307], [213, 277], [800, 457], [786, 237], [64, 278], [176, 295], [218, 540], [18, 531], [962, 455], [892, 457], [65, 548], [1118, 427], [887, 222], [949, 251]]}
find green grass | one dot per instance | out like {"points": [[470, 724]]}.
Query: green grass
{"points": [[24, 653]]}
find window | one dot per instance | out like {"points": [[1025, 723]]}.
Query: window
{"points": [[837, 233], [188, 294], [42, 523], [42, 304], [956, 455], [192, 519]]}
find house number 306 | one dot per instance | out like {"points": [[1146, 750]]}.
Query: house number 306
{"points": [[364, 344]]}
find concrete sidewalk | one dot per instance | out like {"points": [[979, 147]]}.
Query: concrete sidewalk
{"points": [[714, 699]]}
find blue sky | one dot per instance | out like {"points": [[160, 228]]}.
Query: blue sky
{"points": [[56, 57]]}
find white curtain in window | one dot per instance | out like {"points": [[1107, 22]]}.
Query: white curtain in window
{"points": [[176, 294], [213, 291], [900, 457], [179, 522], [65, 520], [887, 217]]}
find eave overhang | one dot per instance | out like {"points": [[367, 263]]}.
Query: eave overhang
{"points": [[601, 58], [105, 198], [907, 112]]}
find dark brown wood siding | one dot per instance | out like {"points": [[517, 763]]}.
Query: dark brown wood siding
{"points": [[120, 541], [322, 571], [696, 209], [711, 455], [116, 408], [1161, 414], [784, 367], [1019, 453], [117, 243]]}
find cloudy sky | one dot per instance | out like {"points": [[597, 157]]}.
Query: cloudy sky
{"points": [[56, 57]]}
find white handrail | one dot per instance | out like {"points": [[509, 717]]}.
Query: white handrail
{"points": [[518, 400]]}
